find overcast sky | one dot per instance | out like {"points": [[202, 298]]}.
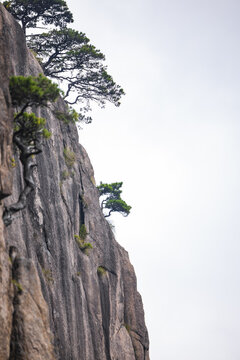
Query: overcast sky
{"points": [[174, 143]]}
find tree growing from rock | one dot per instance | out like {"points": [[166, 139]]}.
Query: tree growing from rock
{"points": [[47, 12], [111, 199], [68, 56], [29, 130]]}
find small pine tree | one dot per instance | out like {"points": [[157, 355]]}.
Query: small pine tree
{"points": [[29, 130], [112, 199]]}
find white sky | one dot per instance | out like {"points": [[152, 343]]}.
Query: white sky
{"points": [[174, 143]]}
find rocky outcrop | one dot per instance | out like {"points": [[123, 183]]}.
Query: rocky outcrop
{"points": [[95, 311]]}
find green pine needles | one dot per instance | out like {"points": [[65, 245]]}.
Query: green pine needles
{"points": [[112, 201], [47, 12], [27, 91], [68, 56]]}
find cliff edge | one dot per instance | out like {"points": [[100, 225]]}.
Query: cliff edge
{"points": [[57, 301]]}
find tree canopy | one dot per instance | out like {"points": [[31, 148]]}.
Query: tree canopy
{"points": [[68, 56], [27, 91], [112, 199], [31, 12]]}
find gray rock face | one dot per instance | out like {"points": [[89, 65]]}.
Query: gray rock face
{"points": [[24, 314], [94, 315], [5, 115], [6, 289], [6, 296], [31, 337]]}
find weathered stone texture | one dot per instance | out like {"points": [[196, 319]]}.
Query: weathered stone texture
{"points": [[30, 323], [6, 290], [31, 337], [5, 118], [92, 316], [6, 296]]}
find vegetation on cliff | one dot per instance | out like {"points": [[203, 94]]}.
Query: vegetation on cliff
{"points": [[112, 201], [67, 55], [29, 130], [47, 12]]}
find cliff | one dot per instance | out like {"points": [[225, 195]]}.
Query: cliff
{"points": [[57, 301]]}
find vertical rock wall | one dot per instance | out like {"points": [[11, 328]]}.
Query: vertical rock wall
{"points": [[6, 296], [5, 116], [94, 314], [24, 314], [6, 289]]}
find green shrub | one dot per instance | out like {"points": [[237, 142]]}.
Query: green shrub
{"points": [[83, 232], [65, 175], [69, 157], [101, 271], [83, 246]]}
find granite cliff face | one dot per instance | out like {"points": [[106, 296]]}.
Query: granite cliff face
{"points": [[57, 302]]}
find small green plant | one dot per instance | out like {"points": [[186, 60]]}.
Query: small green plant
{"points": [[83, 246], [18, 285], [69, 157], [48, 275], [101, 271], [83, 232], [65, 175]]}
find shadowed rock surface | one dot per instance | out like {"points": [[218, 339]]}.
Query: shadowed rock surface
{"points": [[93, 316], [6, 296], [31, 337]]}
